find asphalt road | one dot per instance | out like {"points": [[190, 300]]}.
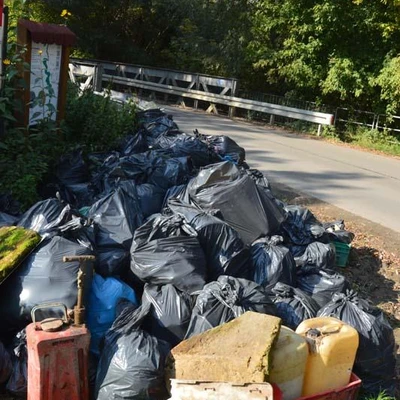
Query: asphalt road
{"points": [[360, 182]]}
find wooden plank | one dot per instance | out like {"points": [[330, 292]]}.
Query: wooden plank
{"points": [[63, 84]]}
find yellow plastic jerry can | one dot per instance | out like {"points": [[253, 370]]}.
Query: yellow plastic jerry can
{"points": [[288, 363], [332, 351]]}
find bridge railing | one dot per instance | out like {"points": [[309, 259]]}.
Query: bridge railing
{"points": [[211, 90]]}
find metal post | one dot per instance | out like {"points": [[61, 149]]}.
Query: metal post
{"points": [[232, 110], [272, 119], [319, 130], [98, 78], [197, 86]]}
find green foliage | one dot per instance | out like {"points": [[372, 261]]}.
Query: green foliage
{"points": [[334, 50], [380, 396], [96, 122], [26, 158], [22, 167], [330, 132], [389, 81]]}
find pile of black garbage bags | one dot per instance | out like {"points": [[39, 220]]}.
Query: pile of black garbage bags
{"points": [[186, 237]]}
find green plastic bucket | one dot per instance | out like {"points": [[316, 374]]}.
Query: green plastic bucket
{"points": [[342, 253]]}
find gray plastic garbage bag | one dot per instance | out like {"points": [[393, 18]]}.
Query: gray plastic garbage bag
{"points": [[45, 216], [42, 278], [225, 251], [17, 385], [225, 299], [7, 220], [132, 361], [336, 230], [224, 187], [166, 250], [321, 284], [292, 305], [116, 216], [375, 362], [170, 312], [319, 255], [5, 364], [271, 263], [301, 227]]}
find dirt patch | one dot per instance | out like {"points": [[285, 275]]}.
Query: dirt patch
{"points": [[374, 263]]}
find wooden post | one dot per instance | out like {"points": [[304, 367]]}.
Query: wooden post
{"points": [[63, 84]]}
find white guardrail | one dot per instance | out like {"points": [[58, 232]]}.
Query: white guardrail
{"points": [[213, 90]]}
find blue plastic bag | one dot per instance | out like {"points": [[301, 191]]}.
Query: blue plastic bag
{"points": [[104, 297]]}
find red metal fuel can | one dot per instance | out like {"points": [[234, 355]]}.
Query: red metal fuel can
{"points": [[57, 358]]}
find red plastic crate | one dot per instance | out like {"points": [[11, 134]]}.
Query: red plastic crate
{"points": [[349, 392]]}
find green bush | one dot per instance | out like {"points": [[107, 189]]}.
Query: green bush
{"points": [[22, 167], [96, 122], [27, 157]]}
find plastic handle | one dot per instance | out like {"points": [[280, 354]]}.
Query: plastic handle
{"points": [[49, 305]]}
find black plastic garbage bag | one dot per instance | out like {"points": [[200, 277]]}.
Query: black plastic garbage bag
{"points": [[225, 251], [158, 127], [271, 263], [169, 172], [301, 226], [226, 299], [163, 252], [9, 205], [135, 143], [42, 278], [259, 178], [170, 312], [117, 215], [160, 226], [336, 231], [183, 145], [72, 169], [135, 167], [132, 362], [292, 305], [7, 220], [174, 191], [375, 361], [6, 365], [320, 284], [177, 260], [73, 174], [158, 167], [17, 385], [319, 255], [227, 149], [224, 187], [45, 216], [78, 195], [149, 115], [151, 198]]}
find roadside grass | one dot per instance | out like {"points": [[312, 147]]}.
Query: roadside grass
{"points": [[381, 141], [380, 396]]}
